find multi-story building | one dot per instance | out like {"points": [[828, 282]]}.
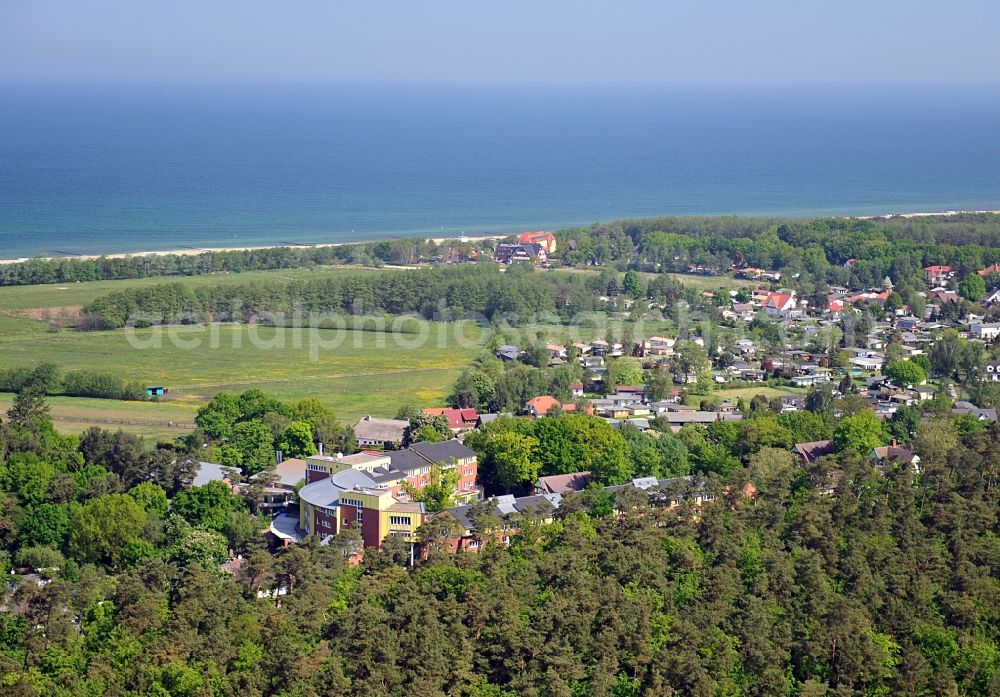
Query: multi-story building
{"points": [[519, 253], [545, 240], [938, 275], [369, 491]]}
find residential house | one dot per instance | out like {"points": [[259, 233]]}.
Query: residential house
{"points": [[458, 419], [870, 364], [940, 296], [938, 275], [791, 403], [664, 406], [383, 434], [677, 419], [834, 306], [660, 346], [811, 452], [519, 253], [780, 304], [744, 347], [556, 350], [508, 352], [540, 406], [600, 347], [211, 472], [962, 408], [563, 483], [893, 454], [985, 332], [810, 379], [744, 311]]}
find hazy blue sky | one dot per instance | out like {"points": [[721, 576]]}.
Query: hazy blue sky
{"points": [[571, 41]]}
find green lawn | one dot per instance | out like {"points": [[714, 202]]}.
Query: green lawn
{"points": [[748, 393]]}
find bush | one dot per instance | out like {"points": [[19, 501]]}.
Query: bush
{"points": [[102, 386], [40, 557]]}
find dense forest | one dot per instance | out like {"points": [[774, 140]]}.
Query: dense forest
{"points": [[887, 585]]}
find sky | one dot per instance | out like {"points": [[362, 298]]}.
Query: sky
{"points": [[883, 42]]}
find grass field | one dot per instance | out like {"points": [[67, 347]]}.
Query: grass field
{"points": [[712, 282], [365, 373], [748, 393], [353, 372], [148, 419]]}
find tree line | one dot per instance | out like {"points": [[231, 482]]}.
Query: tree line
{"points": [[49, 379], [433, 293], [70, 270]]}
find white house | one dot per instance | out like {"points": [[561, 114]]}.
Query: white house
{"points": [[986, 332], [780, 304]]}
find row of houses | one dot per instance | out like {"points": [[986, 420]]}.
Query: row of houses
{"points": [[549, 495]]}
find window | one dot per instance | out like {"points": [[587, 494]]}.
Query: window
{"points": [[351, 502], [358, 516], [399, 520]]}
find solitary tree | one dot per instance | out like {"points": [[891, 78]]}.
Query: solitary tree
{"points": [[297, 440], [972, 287], [905, 373], [861, 432]]}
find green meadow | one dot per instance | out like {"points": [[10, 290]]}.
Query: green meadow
{"points": [[353, 371]]}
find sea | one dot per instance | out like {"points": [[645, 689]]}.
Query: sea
{"points": [[90, 169]]}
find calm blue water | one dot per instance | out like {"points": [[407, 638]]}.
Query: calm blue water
{"points": [[124, 169]]}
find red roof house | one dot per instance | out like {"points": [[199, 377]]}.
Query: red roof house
{"points": [[779, 304], [546, 240], [458, 419]]}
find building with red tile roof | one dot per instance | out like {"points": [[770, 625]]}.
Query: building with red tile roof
{"points": [[779, 304], [458, 419], [546, 240]]}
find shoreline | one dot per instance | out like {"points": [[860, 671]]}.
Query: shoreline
{"points": [[196, 251], [462, 239]]}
